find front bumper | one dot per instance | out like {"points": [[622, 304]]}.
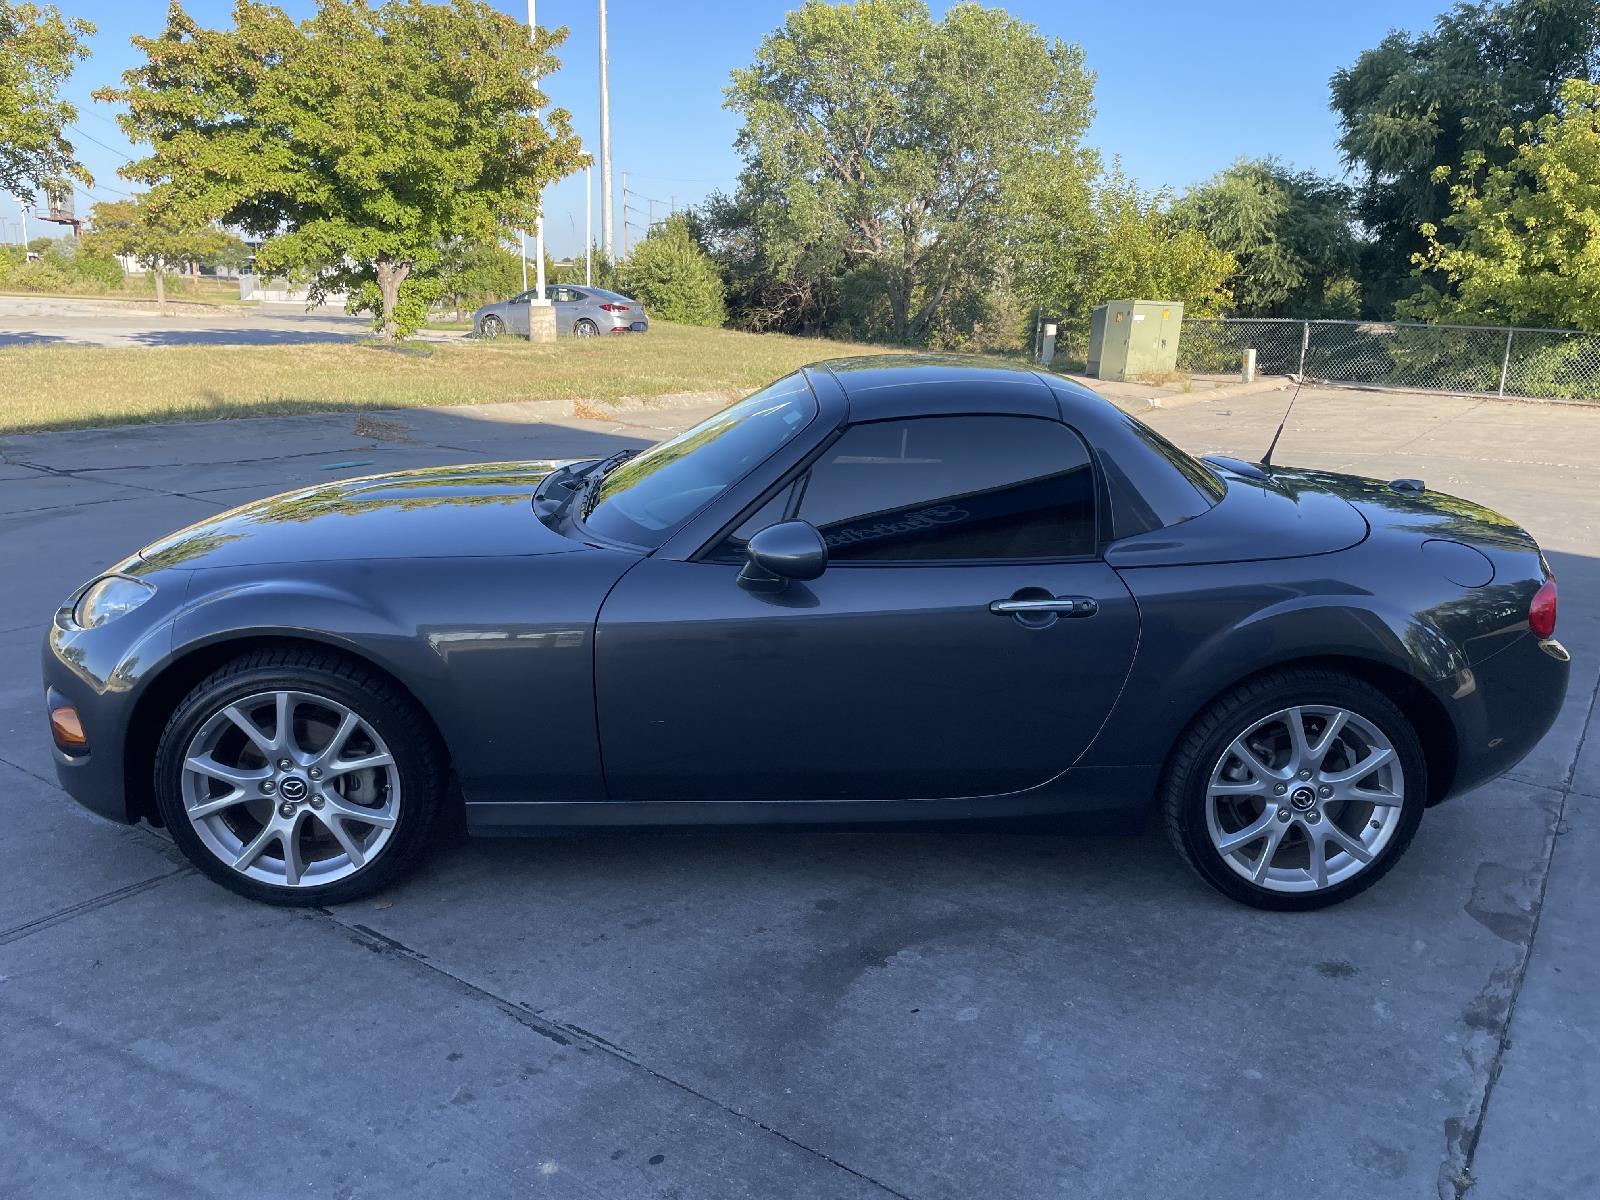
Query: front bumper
{"points": [[1503, 707], [93, 777], [99, 672]]}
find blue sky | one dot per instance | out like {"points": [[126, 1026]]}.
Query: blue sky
{"points": [[1184, 88]]}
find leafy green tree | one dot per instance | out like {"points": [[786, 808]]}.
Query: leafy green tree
{"points": [[674, 278], [1113, 240], [476, 273], [157, 238], [1523, 240], [603, 272], [1412, 104], [1289, 231], [879, 141], [38, 50], [357, 143]]}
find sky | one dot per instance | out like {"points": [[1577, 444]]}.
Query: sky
{"points": [[1183, 88]]}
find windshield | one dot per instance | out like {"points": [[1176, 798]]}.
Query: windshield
{"points": [[646, 499]]}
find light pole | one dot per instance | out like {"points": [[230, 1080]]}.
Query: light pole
{"points": [[541, 316], [588, 226], [605, 139]]}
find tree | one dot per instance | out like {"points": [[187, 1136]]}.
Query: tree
{"points": [[357, 143], [1523, 243], [1413, 104], [1290, 232], [879, 141], [476, 273], [38, 50], [152, 236], [1112, 240], [674, 278]]}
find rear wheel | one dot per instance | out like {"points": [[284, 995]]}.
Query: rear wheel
{"points": [[1296, 790], [585, 328], [300, 778], [491, 327]]}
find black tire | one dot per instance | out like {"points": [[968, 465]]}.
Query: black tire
{"points": [[1188, 775], [422, 819], [585, 328], [491, 327]]}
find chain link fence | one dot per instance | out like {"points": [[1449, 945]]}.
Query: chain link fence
{"points": [[1541, 364]]}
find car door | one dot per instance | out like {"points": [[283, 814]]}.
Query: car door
{"points": [[965, 639], [569, 304], [517, 319]]}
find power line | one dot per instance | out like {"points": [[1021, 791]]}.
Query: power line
{"points": [[98, 142]]}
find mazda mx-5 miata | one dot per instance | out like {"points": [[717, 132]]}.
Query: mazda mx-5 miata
{"points": [[880, 590]]}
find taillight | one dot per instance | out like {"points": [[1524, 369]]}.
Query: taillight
{"points": [[1542, 610], [615, 307]]}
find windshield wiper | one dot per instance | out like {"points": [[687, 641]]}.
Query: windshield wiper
{"points": [[588, 494]]}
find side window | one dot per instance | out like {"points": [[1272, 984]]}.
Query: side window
{"points": [[953, 488]]}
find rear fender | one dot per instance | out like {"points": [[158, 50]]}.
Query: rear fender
{"points": [[1176, 674]]}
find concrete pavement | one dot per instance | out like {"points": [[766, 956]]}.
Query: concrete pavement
{"points": [[733, 1013], [44, 320]]}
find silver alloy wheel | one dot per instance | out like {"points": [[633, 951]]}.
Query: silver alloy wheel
{"points": [[1305, 799], [291, 788], [586, 329], [492, 326]]}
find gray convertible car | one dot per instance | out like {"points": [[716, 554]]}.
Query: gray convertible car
{"points": [[580, 312], [879, 590]]}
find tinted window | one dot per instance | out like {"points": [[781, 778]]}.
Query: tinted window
{"points": [[952, 488], [1153, 484], [645, 499]]}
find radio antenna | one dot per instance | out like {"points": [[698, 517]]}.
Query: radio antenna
{"points": [[1266, 459]]}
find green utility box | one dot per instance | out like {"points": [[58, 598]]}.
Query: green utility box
{"points": [[1131, 339]]}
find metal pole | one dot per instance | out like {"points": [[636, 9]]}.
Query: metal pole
{"points": [[605, 142], [538, 224], [624, 214], [1305, 342], [522, 253], [23, 209], [1505, 363], [588, 226]]}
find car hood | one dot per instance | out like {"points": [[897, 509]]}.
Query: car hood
{"points": [[472, 511]]}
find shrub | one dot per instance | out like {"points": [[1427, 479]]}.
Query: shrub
{"points": [[674, 278]]}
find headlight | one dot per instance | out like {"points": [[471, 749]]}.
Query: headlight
{"points": [[109, 598]]}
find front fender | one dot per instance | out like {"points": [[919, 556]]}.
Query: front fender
{"points": [[497, 651]]}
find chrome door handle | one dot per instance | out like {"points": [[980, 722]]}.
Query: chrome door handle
{"points": [[1061, 606]]}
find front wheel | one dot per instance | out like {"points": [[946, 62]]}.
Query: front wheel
{"points": [[1296, 790], [300, 778], [491, 327]]}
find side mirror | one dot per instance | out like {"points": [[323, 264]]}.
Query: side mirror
{"points": [[781, 552]]}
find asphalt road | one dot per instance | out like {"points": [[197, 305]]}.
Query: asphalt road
{"points": [[26, 321], [789, 1014]]}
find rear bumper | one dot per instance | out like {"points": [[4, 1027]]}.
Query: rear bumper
{"points": [[1504, 707], [627, 323]]}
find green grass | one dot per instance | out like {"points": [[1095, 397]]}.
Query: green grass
{"points": [[75, 387]]}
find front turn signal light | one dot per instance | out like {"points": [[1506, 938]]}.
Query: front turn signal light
{"points": [[66, 727]]}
